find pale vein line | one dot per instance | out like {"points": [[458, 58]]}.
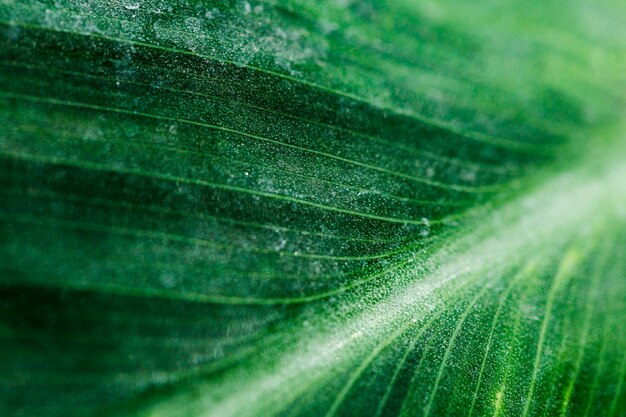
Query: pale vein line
{"points": [[505, 294], [215, 299], [167, 177], [398, 367], [449, 347], [480, 137], [432, 155], [358, 190], [397, 334], [339, 399], [458, 188], [170, 237], [599, 369], [465, 313], [509, 356], [357, 373], [558, 359], [569, 262], [582, 344], [618, 391], [99, 201], [394, 376], [431, 339]]}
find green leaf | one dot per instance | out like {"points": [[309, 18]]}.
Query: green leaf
{"points": [[296, 208]]}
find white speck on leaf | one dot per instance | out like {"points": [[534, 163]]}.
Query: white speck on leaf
{"points": [[132, 6]]}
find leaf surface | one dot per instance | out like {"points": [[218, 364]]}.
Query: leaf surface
{"points": [[292, 208]]}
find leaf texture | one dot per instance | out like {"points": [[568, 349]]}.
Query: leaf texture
{"points": [[290, 208]]}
